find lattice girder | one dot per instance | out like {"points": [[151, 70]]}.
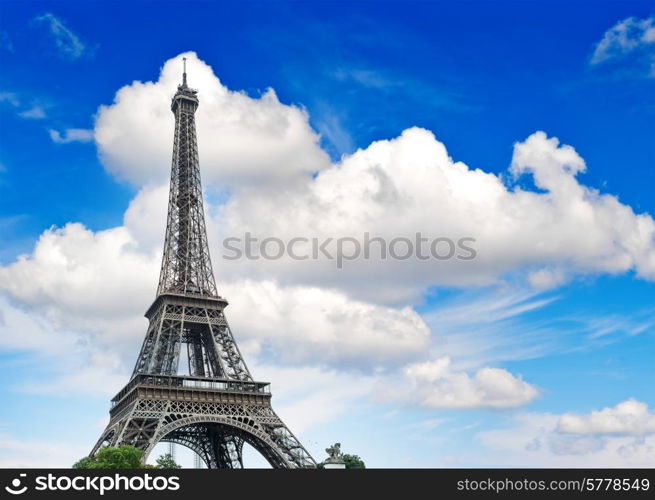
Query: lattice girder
{"points": [[150, 421], [201, 323]]}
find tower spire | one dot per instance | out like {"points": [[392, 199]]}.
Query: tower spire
{"points": [[186, 266]]}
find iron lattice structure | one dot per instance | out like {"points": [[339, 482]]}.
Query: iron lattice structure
{"points": [[190, 384]]}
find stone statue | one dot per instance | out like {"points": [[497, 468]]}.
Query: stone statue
{"points": [[334, 453]]}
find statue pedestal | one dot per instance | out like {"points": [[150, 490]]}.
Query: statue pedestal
{"points": [[334, 465]]}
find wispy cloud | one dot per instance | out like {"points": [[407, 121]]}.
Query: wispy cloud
{"points": [[603, 326], [481, 328], [5, 41], [10, 98], [34, 113], [367, 78], [27, 453], [71, 135], [69, 44], [337, 140], [408, 86], [631, 36]]}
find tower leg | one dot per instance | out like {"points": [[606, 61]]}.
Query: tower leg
{"points": [[227, 448]]}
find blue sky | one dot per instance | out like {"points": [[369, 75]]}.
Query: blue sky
{"points": [[481, 76]]}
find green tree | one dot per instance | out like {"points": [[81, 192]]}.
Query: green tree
{"points": [[121, 457], [353, 461], [166, 462], [84, 463]]}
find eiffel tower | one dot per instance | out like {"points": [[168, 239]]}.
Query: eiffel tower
{"points": [[217, 406]]}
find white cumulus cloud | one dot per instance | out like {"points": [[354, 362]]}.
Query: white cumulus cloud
{"points": [[241, 139], [102, 283], [409, 185], [621, 436], [434, 384], [315, 326], [630, 417], [260, 152]]}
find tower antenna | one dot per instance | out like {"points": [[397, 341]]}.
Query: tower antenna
{"points": [[184, 73]]}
